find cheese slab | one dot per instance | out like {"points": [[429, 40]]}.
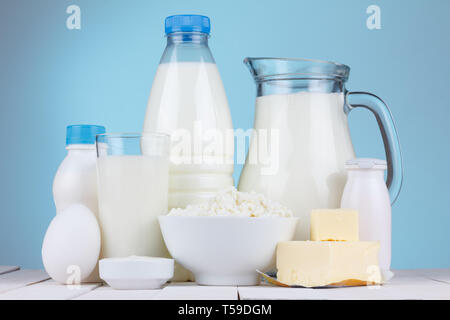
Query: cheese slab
{"points": [[323, 263], [334, 225]]}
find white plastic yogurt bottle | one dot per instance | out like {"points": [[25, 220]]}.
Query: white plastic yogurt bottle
{"points": [[75, 181], [188, 102], [76, 178], [366, 191]]}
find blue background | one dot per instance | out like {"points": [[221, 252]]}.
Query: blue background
{"points": [[51, 77]]}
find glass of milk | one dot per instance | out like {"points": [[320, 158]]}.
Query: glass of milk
{"points": [[132, 192]]}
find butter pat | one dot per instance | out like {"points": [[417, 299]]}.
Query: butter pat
{"points": [[334, 225], [322, 263]]}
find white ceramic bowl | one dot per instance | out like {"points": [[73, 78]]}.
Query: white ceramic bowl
{"points": [[136, 273], [225, 250]]}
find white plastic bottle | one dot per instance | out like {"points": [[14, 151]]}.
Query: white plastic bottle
{"points": [[188, 101], [366, 192], [76, 178]]}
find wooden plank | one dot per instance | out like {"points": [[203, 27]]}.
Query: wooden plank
{"points": [[21, 278], [107, 293], [436, 274], [6, 269], [440, 275], [49, 290], [405, 285], [192, 291]]}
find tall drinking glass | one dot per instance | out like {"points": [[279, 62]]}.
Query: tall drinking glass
{"points": [[132, 192]]}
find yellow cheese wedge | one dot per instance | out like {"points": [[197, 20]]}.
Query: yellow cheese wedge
{"points": [[334, 225], [322, 263]]}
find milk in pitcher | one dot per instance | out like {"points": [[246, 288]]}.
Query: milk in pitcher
{"points": [[303, 105], [314, 144]]}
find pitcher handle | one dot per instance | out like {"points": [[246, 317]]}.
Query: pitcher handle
{"points": [[389, 134]]}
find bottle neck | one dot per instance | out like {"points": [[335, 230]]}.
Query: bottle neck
{"points": [[186, 38], [187, 47], [366, 173], [80, 148]]}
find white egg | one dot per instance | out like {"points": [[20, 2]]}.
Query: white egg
{"points": [[71, 245]]}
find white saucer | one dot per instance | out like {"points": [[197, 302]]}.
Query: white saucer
{"points": [[136, 273]]}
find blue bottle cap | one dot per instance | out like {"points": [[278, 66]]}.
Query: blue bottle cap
{"points": [[187, 23], [83, 133]]}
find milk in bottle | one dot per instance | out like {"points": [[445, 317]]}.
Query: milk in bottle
{"points": [[188, 101], [76, 179]]}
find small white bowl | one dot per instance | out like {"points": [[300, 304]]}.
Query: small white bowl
{"points": [[135, 272], [225, 250]]}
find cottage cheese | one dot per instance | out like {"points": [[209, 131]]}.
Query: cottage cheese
{"points": [[231, 202]]}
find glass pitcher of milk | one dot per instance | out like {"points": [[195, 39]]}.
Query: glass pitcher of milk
{"points": [[301, 140], [188, 101]]}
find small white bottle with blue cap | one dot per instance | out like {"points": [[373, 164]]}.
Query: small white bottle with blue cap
{"points": [[76, 178]]}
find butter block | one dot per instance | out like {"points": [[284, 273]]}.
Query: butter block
{"points": [[322, 263], [334, 225]]}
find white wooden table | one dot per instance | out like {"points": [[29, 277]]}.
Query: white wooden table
{"points": [[407, 284]]}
